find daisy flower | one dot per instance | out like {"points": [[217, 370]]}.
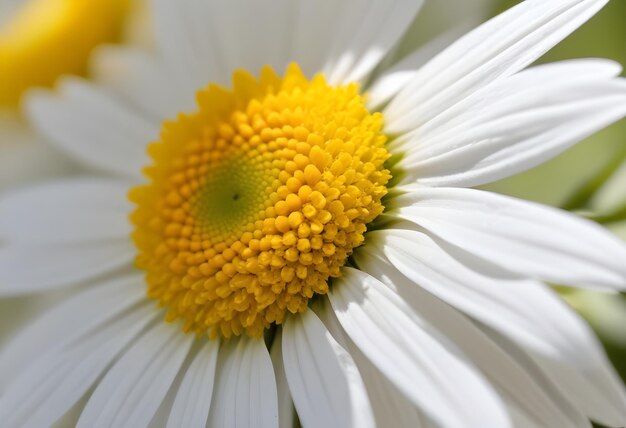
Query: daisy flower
{"points": [[304, 232]]}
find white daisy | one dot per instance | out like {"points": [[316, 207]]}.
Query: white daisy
{"points": [[250, 229]]}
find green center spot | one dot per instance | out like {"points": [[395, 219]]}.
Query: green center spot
{"points": [[233, 196]]}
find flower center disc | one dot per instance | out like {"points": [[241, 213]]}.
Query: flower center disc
{"points": [[256, 200]]}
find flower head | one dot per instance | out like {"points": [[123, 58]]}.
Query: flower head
{"points": [[310, 236]]}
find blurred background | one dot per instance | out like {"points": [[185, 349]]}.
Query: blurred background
{"points": [[41, 40]]}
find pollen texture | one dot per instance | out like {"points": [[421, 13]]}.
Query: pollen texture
{"points": [[256, 200]]}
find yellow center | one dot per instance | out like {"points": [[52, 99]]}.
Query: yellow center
{"points": [[257, 200], [42, 39]]}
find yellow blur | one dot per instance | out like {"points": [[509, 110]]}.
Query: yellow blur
{"points": [[47, 38]]}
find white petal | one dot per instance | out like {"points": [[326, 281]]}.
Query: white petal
{"points": [[522, 237], [69, 211], [515, 124], [597, 390], [325, 384], [245, 394], [50, 387], [62, 233], [524, 310], [188, 38], [390, 406], [32, 269], [93, 127], [25, 157], [142, 80], [286, 410], [131, 392], [498, 48], [413, 355], [86, 310], [193, 398], [357, 34], [511, 378], [584, 392], [369, 33]]}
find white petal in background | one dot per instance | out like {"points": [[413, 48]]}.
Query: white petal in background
{"points": [[611, 196], [93, 127], [66, 211], [25, 158], [34, 269], [415, 357], [85, 310], [356, 51], [245, 390], [142, 81], [61, 233], [50, 387], [324, 381], [523, 237]]}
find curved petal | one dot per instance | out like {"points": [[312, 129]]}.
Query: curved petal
{"points": [[416, 358], [522, 237], [33, 269], [60, 377], [389, 405], [93, 127], [25, 157], [499, 48], [325, 384], [63, 233], [245, 394], [359, 47], [515, 124], [193, 398], [586, 390], [286, 409], [86, 310], [128, 396], [514, 382], [213, 39], [524, 310], [143, 81], [394, 79], [67, 211], [598, 391]]}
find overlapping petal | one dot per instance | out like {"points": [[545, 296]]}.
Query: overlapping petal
{"points": [[325, 383], [523, 237]]}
